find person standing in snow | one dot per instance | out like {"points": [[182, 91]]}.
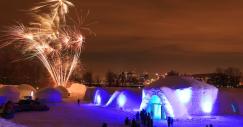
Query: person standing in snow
{"points": [[169, 121], [78, 101]]}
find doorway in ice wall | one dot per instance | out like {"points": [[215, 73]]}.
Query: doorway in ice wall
{"points": [[156, 108]]}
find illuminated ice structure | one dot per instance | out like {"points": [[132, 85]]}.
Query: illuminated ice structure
{"points": [[127, 100], [101, 97], [178, 97]]}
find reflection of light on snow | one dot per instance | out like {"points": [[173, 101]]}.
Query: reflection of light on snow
{"points": [[121, 100], [97, 98], [184, 95], [113, 96]]}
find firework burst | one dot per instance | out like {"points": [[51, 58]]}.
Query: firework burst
{"points": [[57, 45]]}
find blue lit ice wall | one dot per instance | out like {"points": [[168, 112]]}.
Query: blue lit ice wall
{"points": [[97, 98], [101, 96], [154, 107], [126, 100], [111, 102], [150, 96], [129, 100], [121, 100]]}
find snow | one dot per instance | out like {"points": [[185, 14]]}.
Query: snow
{"points": [[6, 123], [70, 114], [10, 92], [64, 91], [216, 121], [49, 95], [77, 90]]}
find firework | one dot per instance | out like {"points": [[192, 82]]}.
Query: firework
{"points": [[57, 45]]}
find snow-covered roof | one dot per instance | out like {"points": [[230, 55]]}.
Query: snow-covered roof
{"points": [[178, 82]]}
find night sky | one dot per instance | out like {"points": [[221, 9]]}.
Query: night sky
{"points": [[190, 36]]}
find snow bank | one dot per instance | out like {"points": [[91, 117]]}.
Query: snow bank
{"points": [[10, 93], [5, 123], [49, 95]]}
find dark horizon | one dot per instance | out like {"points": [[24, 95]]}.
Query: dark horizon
{"points": [[153, 36]]}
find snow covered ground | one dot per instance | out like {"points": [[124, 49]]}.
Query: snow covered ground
{"points": [[69, 114], [216, 121], [6, 123]]}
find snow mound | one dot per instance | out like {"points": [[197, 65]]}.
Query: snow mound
{"points": [[11, 93], [77, 90], [26, 90], [63, 91], [5, 123], [49, 95]]}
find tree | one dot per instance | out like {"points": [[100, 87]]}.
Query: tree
{"points": [[97, 80], [229, 77], [172, 73], [122, 78], [111, 78], [88, 78]]}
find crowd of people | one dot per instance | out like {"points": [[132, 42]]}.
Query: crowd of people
{"points": [[210, 125], [141, 118], [144, 119]]}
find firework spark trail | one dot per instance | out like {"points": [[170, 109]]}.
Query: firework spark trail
{"points": [[54, 43]]}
